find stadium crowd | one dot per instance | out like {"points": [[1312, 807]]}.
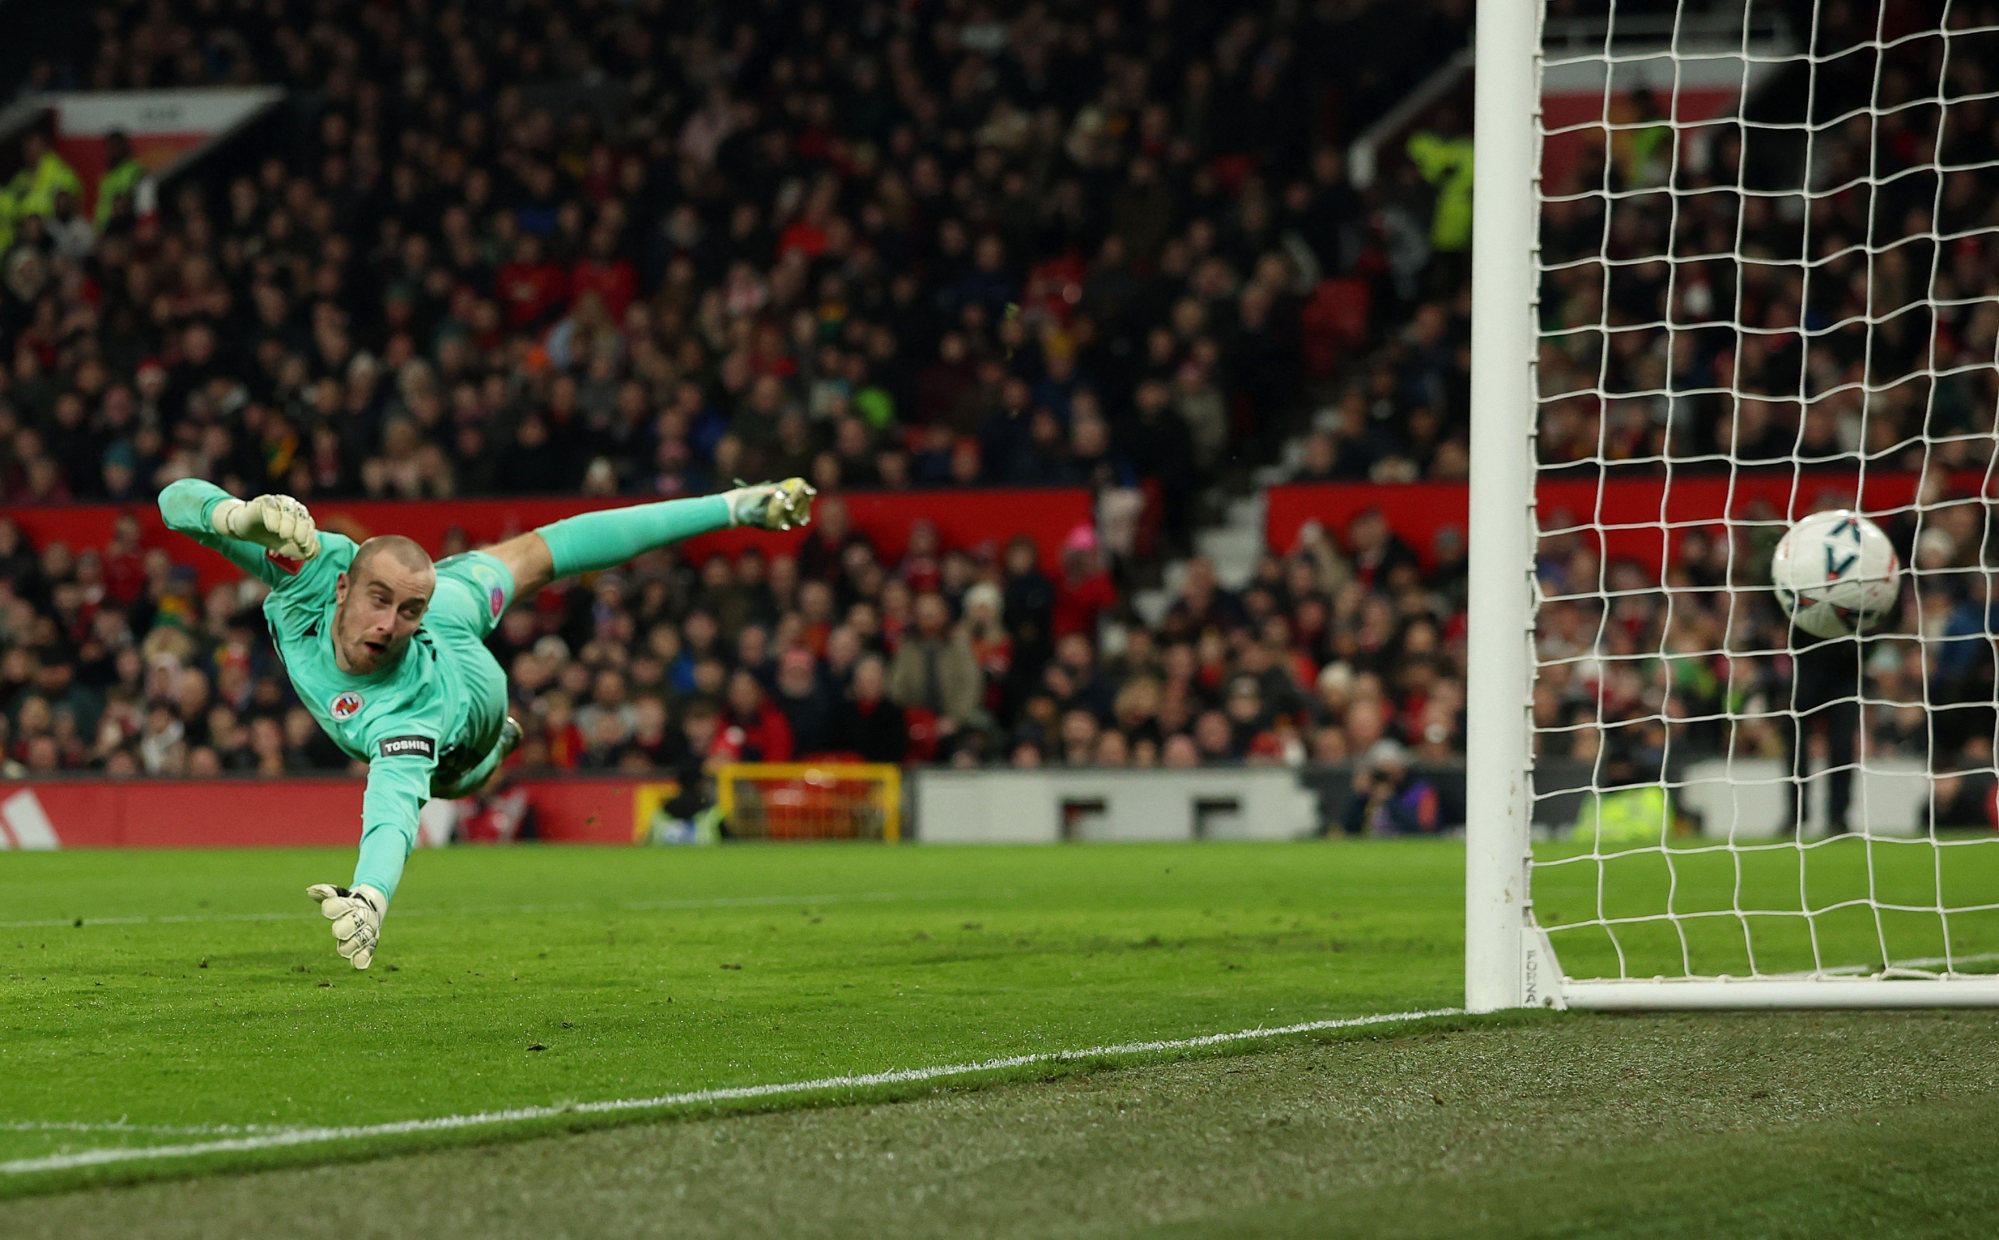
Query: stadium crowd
{"points": [[894, 250], [1702, 315], [873, 247], [115, 661], [644, 249], [656, 248], [653, 250]]}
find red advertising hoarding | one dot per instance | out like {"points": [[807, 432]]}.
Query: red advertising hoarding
{"points": [[254, 813]]}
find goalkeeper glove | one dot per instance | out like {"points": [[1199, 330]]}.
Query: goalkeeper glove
{"points": [[356, 916], [277, 522], [772, 505]]}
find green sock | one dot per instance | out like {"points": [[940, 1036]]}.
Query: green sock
{"points": [[597, 540]]}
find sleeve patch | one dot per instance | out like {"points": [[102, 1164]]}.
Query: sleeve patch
{"points": [[409, 747]]}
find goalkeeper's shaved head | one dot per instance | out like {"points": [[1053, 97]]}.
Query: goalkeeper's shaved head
{"points": [[380, 602], [406, 553]]}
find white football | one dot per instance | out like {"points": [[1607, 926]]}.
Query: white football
{"points": [[1836, 573]]}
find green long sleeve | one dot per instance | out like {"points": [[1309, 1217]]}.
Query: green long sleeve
{"points": [[397, 789], [187, 506]]}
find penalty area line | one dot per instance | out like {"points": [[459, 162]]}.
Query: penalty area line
{"points": [[283, 1138]]}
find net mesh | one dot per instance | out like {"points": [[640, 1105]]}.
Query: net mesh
{"points": [[1769, 244]]}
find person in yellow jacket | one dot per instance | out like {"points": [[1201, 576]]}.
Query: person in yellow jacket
{"points": [[1621, 819], [1443, 155], [123, 177], [33, 190], [1632, 806]]}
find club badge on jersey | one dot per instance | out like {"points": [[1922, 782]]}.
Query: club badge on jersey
{"points": [[346, 705]]}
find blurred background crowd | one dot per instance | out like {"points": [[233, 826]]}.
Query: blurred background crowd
{"points": [[880, 246], [642, 249], [116, 661], [1701, 315], [871, 245]]}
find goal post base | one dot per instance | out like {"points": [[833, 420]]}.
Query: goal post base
{"points": [[1761, 993], [1544, 985]]}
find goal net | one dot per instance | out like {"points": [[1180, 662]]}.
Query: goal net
{"points": [[1736, 263], [810, 801]]}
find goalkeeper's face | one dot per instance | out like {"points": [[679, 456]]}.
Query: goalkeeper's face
{"points": [[380, 607]]}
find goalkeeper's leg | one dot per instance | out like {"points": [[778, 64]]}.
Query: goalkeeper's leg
{"points": [[476, 779], [600, 540]]}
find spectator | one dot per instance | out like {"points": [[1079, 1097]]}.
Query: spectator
{"points": [[123, 184], [807, 704], [32, 193], [651, 741], [1377, 552], [935, 669], [869, 722], [753, 729], [1085, 592], [606, 744], [565, 740], [1029, 602]]}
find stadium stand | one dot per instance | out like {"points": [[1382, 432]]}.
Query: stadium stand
{"points": [[653, 247]]}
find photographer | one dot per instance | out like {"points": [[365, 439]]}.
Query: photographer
{"points": [[1388, 798]]}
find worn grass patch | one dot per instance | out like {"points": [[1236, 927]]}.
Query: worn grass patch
{"points": [[1741, 1125]]}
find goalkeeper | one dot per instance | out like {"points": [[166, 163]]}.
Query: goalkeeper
{"points": [[387, 650]]}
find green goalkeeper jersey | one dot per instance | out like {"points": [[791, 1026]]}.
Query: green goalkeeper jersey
{"points": [[423, 724]]}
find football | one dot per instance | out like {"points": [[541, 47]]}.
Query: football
{"points": [[1836, 573]]}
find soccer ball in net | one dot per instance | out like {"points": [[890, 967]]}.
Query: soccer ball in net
{"points": [[1835, 573]]}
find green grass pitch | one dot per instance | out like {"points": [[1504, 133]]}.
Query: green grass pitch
{"points": [[199, 1000]]}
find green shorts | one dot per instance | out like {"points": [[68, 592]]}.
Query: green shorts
{"points": [[473, 591]]}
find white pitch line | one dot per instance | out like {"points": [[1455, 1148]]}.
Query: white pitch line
{"points": [[632, 906], [1920, 962], [901, 1076], [176, 1130]]}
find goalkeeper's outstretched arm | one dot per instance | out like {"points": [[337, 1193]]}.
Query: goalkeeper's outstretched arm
{"points": [[598, 540], [400, 767], [248, 532]]}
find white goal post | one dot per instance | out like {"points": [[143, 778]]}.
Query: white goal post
{"points": [[1657, 782]]}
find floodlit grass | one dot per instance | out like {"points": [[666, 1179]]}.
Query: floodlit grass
{"points": [[1846, 904], [201, 989], [163, 999]]}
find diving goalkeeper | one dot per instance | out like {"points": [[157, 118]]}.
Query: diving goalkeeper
{"points": [[387, 650]]}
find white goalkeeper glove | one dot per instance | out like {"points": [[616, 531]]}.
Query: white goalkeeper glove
{"points": [[277, 522], [783, 505], [356, 916]]}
